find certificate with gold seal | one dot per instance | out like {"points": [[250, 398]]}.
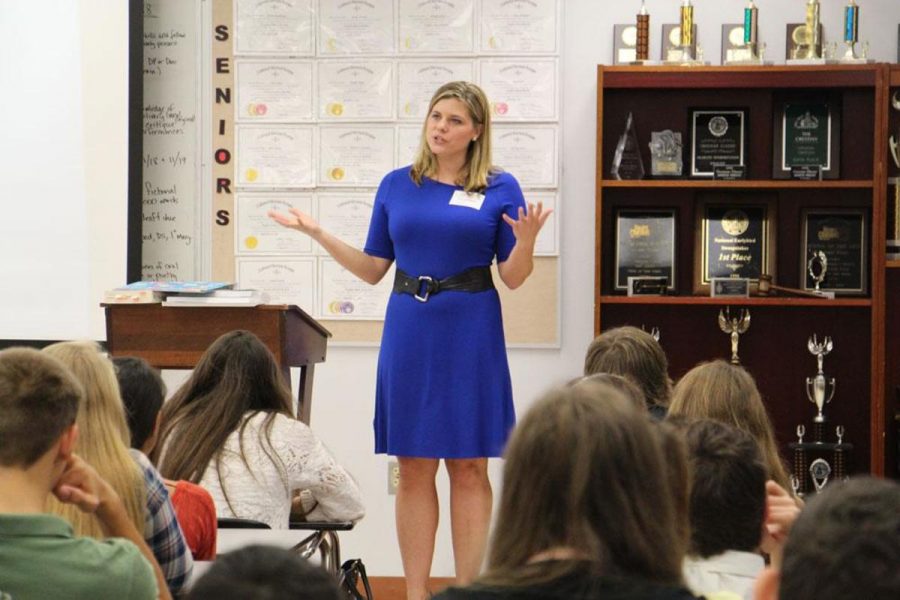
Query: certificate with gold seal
{"points": [[528, 152], [735, 239], [266, 27], [346, 296], [418, 80], [520, 89], [356, 27], [355, 155], [255, 233], [274, 90], [519, 26], [286, 279], [274, 155], [346, 215], [356, 90], [436, 26]]}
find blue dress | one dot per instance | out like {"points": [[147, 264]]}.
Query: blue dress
{"points": [[443, 386]]}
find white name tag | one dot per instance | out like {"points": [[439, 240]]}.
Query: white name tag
{"points": [[461, 198]]}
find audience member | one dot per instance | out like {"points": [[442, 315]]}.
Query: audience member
{"points": [[40, 557], [264, 572], [846, 544], [230, 429], [727, 393], [626, 386], [727, 509], [635, 354], [143, 393], [582, 513], [104, 443]]}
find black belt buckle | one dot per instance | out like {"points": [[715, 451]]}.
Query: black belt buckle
{"points": [[430, 287]]}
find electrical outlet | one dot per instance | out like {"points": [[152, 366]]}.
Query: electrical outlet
{"points": [[393, 477]]}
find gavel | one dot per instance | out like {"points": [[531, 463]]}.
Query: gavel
{"points": [[766, 286]]}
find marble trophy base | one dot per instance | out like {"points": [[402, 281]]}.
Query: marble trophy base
{"points": [[749, 63], [810, 61]]}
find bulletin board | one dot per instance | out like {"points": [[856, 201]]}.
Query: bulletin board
{"points": [[313, 101]]}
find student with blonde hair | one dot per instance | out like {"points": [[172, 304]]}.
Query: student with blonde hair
{"points": [[103, 442], [587, 508], [724, 392], [443, 389]]}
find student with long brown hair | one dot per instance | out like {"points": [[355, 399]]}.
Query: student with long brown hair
{"points": [[230, 429], [587, 509], [724, 392]]}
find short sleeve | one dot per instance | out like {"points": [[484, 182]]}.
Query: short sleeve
{"points": [[378, 242], [510, 199]]}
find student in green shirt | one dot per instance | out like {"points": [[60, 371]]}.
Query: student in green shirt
{"points": [[39, 555]]}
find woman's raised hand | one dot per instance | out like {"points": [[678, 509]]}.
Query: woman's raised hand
{"points": [[296, 219], [527, 226]]}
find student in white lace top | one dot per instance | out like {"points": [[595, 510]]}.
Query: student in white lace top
{"points": [[229, 428]]}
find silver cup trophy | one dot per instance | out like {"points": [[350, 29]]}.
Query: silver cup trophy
{"points": [[819, 390]]}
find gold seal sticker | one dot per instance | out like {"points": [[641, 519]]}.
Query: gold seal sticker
{"points": [[336, 109], [251, 175], [251, 110], [337, 173], [408, 109], [332, 44], [334, 308], [493, 42], [251, 242], [411, 43]]}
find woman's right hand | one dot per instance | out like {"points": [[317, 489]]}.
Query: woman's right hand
{"points": [[297, 219]]}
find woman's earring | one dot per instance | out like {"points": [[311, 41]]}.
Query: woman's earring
{"points": [[474, 138]]}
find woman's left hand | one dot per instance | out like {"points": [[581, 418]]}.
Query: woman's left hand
{"points": [[529, 223]]}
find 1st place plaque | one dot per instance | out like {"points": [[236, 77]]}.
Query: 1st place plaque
{"points": [[841, 235], [718, 139], [645, 246], [734, 240]]}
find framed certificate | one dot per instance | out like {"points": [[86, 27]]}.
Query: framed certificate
{"points": [[355, 90], [418, 80], [255, 233], [264, 27], [274, 155], [519, 27], [528, 152], [355, 27], [274, 90], [735, 238], [436, 27], [287, 280], [624, 43], [521, 89], [355, 155], [718, 139], [344, 296], [645, 246], [408, 138], [807, 140], [835, 250], [345, 215]]}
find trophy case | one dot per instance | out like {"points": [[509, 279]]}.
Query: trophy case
{"points": [[750, 206], [892, 278]]}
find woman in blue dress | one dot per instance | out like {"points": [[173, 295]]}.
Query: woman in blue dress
{"points": [[443, 388]]}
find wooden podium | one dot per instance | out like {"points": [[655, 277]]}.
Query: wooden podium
{"points": [[170, 337]]}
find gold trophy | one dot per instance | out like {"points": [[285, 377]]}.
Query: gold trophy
{"points": [[734, 327]]}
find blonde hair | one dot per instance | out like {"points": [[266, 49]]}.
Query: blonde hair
{"points": [[103, 439], [477, 168], [727, 393]]}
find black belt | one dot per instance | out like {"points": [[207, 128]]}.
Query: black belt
{"points": [[476, 279]]}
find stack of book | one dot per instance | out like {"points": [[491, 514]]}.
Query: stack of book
{"points": [[184, 293]]}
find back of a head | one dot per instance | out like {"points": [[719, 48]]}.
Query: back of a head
{"points": [[39, 400], [727, 393], [236, 376], [264, 573], [143, 393], [728, 489], [845, 544], [103, 435], [635, 354], [582, 471], [623, 384]]}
